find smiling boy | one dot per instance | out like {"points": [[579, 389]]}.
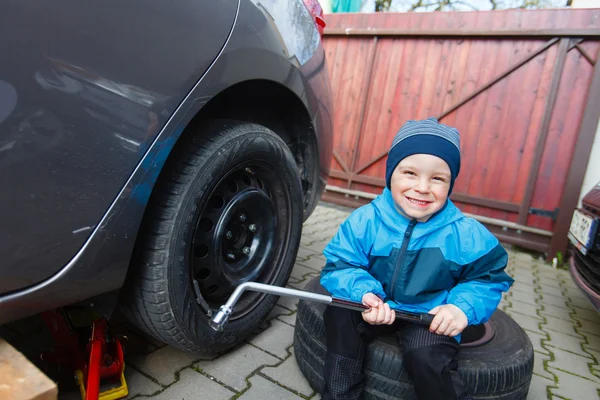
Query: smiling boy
{"points": [[411, 249]]}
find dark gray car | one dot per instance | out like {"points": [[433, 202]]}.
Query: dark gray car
{"points": [[163, 151]]}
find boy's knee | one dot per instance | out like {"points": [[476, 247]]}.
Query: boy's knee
{"points": [[430, 359]]}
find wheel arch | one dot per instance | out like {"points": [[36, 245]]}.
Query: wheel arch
{"points": [[276, 107]]}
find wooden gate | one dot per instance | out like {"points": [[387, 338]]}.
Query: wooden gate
{"points": [[522, 87]]}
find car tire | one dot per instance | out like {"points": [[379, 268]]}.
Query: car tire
{"points": [[500, 368], [226, 209]]}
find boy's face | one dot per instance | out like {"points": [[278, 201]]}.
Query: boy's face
{"points": [[420, 185]]}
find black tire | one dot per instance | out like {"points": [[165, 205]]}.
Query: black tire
{"points": [[193, 232], [499, 369]]}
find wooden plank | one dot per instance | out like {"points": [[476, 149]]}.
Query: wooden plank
{"points": [[561, 140], [541, 141], [465, 33], [20, 379]]}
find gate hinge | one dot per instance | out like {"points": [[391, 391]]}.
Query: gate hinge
{"points": [[544, 213]]}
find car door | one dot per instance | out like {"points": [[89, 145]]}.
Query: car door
{"points": [[84, 88]]}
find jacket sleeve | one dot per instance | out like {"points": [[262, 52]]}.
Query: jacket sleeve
{"points": [[482, 282], [346, 272]]}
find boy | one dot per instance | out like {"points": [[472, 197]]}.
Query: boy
{"points": [[411, 249]]}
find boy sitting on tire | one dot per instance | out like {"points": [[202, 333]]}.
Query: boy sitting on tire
{"points": [[411, 249]]}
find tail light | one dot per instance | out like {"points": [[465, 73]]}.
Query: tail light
{"points": [[316, 11]]}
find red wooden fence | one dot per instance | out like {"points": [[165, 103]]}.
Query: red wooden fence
{"points": [[515, 83]]}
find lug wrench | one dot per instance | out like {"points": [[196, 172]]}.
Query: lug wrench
{"points": [[220, 318]]}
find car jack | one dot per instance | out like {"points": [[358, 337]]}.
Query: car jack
{"points": [[220, 318], [101, 358]]}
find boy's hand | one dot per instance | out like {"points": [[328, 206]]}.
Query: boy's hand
{"points": [[380, 312], [449, 320]]}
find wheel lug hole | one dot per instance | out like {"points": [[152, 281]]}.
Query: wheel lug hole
{"points": [[252, 227], [246, 250], [243, 217]]}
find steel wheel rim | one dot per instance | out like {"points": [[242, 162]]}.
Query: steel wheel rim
{"points": [[236, 235]]}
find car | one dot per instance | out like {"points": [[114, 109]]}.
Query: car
{"points": [[584, 235], [155, 155]]}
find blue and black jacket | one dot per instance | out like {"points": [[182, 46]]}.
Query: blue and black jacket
{"points": [[416, 266]]}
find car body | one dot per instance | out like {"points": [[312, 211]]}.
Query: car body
{"points": [[95, 96], [584, 235]]}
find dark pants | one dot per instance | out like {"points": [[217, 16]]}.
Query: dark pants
{"points": [[429, 358]]}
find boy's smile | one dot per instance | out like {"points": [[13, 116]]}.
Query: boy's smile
{"points": [[420, 185]]}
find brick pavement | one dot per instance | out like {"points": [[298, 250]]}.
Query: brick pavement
{"points": [[559, 320]]}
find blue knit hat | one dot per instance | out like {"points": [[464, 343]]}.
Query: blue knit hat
{"points": [[425, 137]]}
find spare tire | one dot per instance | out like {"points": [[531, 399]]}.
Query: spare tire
{"points": [[496, 359]]}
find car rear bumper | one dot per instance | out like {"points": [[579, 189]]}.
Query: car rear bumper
{"points": [[582, 274]]}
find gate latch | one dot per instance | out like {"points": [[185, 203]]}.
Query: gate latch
{"points": [[552, 214]]}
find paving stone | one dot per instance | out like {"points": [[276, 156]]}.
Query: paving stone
{"points": [[595, 354], [536, 341], [291, 303], [560, 325], [537, 388], [567, 282], [316, 397], [555, 301], [547, 270], [556, 312], [580, 302], [307, 239], [300, 272], [565, 342], [516, 287], [544, 281], [262, 389], [522, 257], [277, 311], [504, 304], [138, 383], [526, 322], [587, 327], [314, 263], [573, 387], [522, 280], [233, 367], [319, 257], [593, 342], [526, 310], [538, 365], [163, 363], [192, 385], [289, 375], [589, 315], [298, 285], [573, 363], [576, 294], [550, 290], [288, 319], [317, 247], [517, 297], [522, 275], [276, 339], [304, 253]]}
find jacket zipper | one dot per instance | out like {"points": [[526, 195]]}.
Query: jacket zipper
{"points": [[407, 235]]}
